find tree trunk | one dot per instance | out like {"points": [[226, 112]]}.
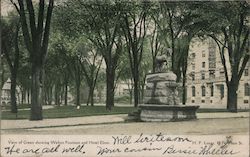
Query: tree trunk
{"points": [[77, 93], [142, 88], [89, 95], [131, 97], [184, 79], [136, 94], [28, 96], [232, 97], [184, 90], [92, 96], [154, 65], [88, 99], [56, 95], [99, 95], [36, 93], [50, 95], [13, 91], [173, 55], [177, 70], [110, 88], [2, 74], [66, 94], [23, 96], [46, 96], [136, 85], [61, 94]]}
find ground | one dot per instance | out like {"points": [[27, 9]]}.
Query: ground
{"points": [[206, 126]]}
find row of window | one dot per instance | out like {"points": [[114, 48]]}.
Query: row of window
{"points": [[203, 65], [212, 64], [203, 90], [212, 74], [222, 72], [203, 54]]}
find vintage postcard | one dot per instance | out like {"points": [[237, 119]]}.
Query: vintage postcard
{"points": [[124, 78]]}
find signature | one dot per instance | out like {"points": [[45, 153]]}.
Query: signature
{"points": [[172, 149], [125, 139]]}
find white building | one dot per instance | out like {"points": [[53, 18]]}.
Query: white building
{"points": [[206, 84], [5, 95]]}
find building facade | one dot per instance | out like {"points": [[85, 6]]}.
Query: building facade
{"points": [[5, 94], [206, 84]]}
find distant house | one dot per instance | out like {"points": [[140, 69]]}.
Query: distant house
{"points": [[5, 95]]}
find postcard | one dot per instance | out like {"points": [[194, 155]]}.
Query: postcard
{"points": [[122, 78]]}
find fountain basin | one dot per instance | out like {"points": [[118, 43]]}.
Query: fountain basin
{"points": [[164, 113]]}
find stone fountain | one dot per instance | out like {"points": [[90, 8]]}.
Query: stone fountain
{"points": [[161, 100]]}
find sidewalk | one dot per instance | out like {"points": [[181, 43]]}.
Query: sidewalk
{"points": [[94, 120]]}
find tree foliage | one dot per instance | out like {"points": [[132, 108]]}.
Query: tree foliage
{"points": [[229, 27]]}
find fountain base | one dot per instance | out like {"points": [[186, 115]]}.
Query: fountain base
{"points": [[164, 113]]}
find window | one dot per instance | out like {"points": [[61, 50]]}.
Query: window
{"points": [[246, 72], [193, 76], [247, 89], [245, 101], [222, 74], [212, 90], [202, 101], [193, 91], [193, 66], [212, 63], [203, 76], [212, 59], [193, 101], [211, 74], [203, 91], [193, 55], [203, 64], [203, 54]]}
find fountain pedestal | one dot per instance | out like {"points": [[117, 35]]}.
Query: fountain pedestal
{"points": [[161, 101]]}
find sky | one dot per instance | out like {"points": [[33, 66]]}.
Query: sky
{"points": [[6, 6]]}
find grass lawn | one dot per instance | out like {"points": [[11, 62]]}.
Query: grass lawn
{"points": [[69, 111], [20, 106]]}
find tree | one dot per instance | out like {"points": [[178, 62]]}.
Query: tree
{"points": [[101, 81], [77, 72], [99, 23], [157, 38], [10, 37], [36, 36], [182, 49], [229, 27], [24, 77], [90, 62], [145, 67], [134, 29], [177, 16], [155, 45], [58, 67], [124, 74]]}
